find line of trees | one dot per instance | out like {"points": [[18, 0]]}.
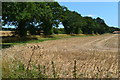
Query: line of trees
{"points": [[46, 16]]}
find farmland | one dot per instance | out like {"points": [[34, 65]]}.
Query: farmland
{"points": [[81, 57], [51, 40], [6, 33]]}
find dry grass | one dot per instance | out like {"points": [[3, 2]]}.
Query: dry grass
{"points": [[6, 33], [93, 58]]}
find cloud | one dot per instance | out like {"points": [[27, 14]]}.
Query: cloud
{"points": [[90, 15]]}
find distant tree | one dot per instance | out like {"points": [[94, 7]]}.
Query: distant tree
{"points": [[50, 15], [89, 26], [72, 22], [101, 25]]}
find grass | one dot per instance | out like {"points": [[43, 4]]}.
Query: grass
{"points": [[18, 70], [41, 39]]}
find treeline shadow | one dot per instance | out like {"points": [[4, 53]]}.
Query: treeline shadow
{"points": [[3, 46], [9, 41]]}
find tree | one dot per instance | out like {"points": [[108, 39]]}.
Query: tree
{"points": [[32, 16], [88, 28], [45, 14], [102, 27], [72, 22], [19, 13]]}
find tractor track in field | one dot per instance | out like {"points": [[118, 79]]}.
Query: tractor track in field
{"points": [[98, 44]]}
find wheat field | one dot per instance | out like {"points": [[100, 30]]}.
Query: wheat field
{"points": [[82, 57]]}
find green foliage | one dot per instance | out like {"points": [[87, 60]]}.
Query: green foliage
{"points": [[18, 70], [72, 22], [88, 27], [55, 30], [37, 16], [43, 13], [19, 14], [80, 31], [58, 30]]}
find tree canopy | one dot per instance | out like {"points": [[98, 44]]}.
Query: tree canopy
{"points": [[46, 16]]}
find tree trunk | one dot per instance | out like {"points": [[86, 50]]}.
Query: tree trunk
{"points": [[47, 29], [21, 29]]}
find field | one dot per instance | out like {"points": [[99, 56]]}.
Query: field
{"points": [[75, 57], [6, 33]]}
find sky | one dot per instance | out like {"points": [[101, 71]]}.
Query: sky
{"points": [[105, 10]]}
